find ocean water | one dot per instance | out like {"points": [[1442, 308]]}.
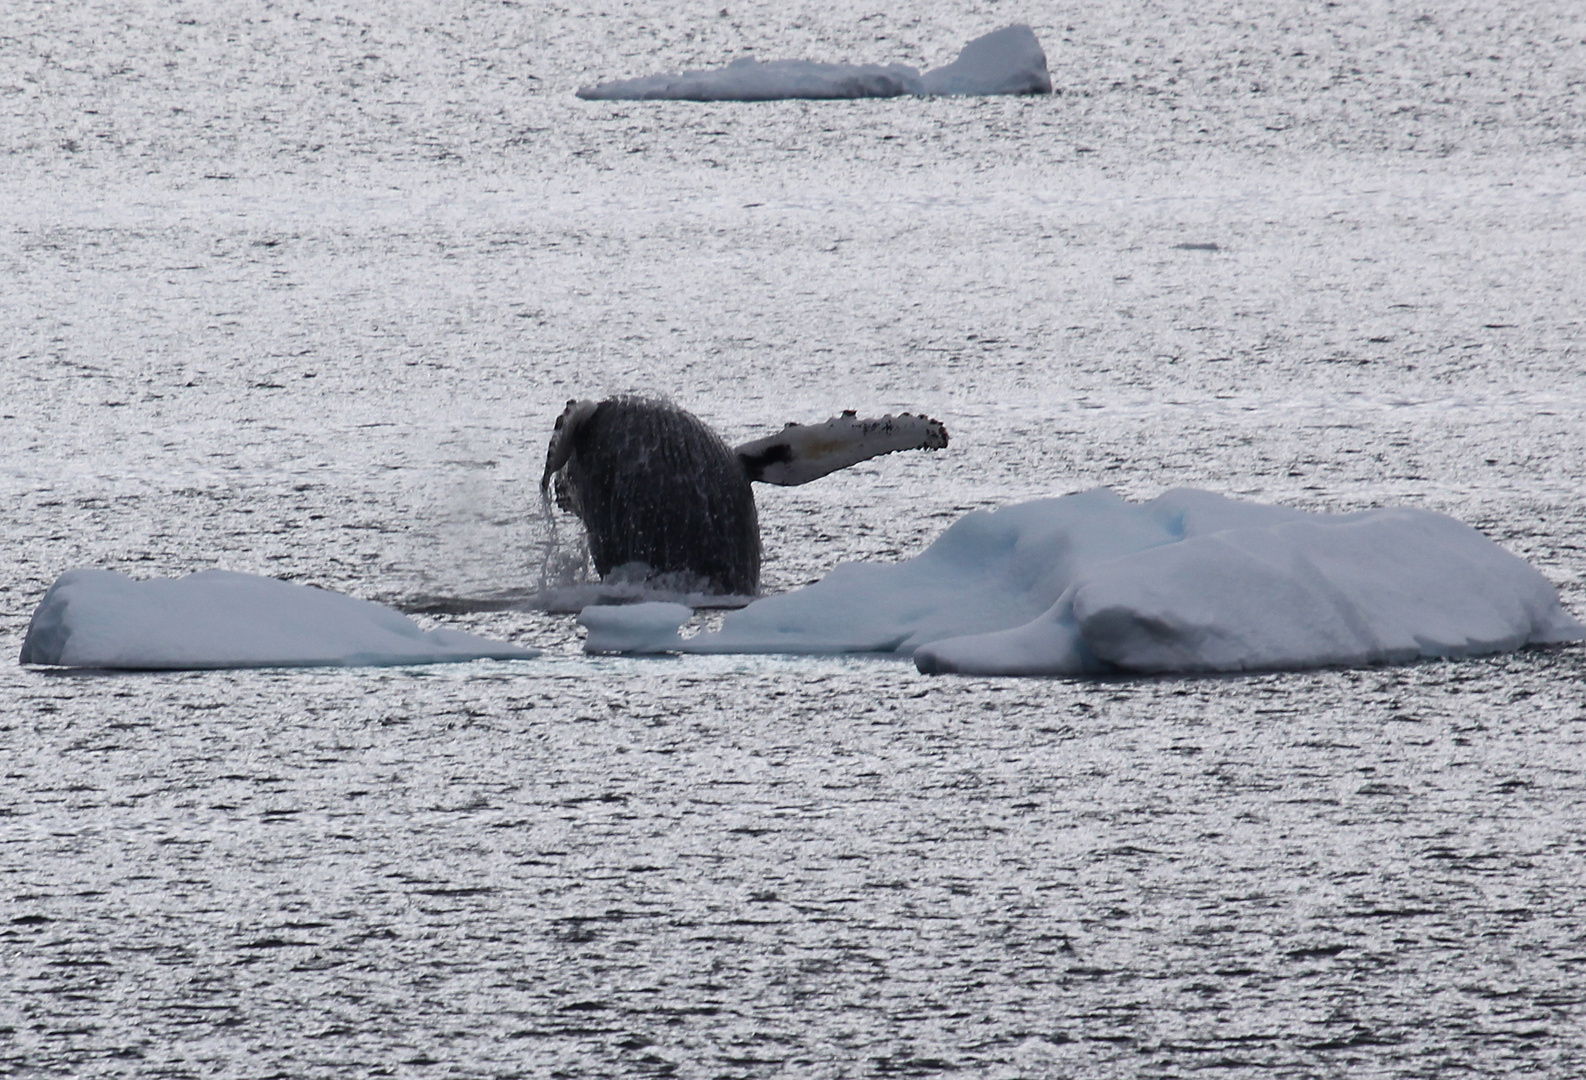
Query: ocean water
{"points": [[300, 291]]}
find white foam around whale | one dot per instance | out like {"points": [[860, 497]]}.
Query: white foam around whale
{"points": [[223, 619], [1006, 61], [1190, 581]]}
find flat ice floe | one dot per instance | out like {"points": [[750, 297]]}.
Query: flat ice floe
{"points": [[1006, 61], [222, 619], [1190, 581]]}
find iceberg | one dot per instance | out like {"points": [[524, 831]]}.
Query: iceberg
{"points": [[223, 619], [632, 628], [1191, 581], [749, 79], [1006, 61]]}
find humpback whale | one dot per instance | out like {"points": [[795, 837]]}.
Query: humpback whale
{"points": [[655, 486]]}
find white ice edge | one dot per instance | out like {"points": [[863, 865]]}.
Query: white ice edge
{"points": [[1188, 582], [1006, 61], [223, 619]]}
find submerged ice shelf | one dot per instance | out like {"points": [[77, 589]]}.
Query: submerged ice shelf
{"points": [[1190, 581], [222, 619], [1006, 61]]}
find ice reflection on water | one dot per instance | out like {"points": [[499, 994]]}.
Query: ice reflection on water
{"points": [[306, 302]]}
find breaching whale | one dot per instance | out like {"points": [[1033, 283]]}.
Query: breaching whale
{"points": [[655, 486]]}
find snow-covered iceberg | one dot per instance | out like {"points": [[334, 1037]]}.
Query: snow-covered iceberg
{"points": [[1190, 581], [1006, 61], [222, 619]]}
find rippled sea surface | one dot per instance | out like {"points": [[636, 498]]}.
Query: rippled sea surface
{"points": [[300, 290]]}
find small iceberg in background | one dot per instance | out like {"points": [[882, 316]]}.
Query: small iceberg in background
{"points": [[222, 619], [1006, 61], [1188, 582]]}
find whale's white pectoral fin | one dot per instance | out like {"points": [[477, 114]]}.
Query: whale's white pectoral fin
{"points": [[800, 453]]}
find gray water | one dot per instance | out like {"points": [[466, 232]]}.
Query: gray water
{"points": [[301, 293]]}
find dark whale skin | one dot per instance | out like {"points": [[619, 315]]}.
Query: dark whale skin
{"points": [[654, 485]]}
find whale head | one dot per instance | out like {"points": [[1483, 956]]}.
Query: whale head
{"points": [[561, 447]]}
